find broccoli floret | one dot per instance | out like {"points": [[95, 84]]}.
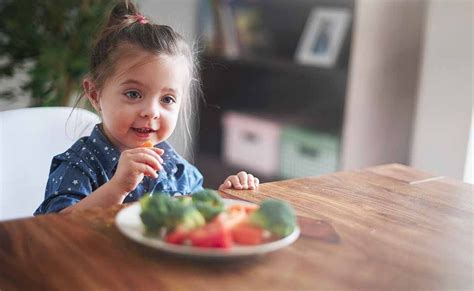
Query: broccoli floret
{"points": [[208, 203], [208, 211], [163, 211], [276, 216], [153, 212], [208, 195], [185, 200]]}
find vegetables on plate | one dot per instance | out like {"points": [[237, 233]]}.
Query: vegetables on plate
{"points": [[161, 211], [203, 220]]}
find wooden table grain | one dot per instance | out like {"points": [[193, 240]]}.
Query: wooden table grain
{"points": [[389, 227]]}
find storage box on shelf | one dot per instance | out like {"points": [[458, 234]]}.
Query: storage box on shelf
{"points": [[266, 147], [307, 153], [251, 142]]}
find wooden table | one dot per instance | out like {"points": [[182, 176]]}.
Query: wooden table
{"points": [[384, 228]]}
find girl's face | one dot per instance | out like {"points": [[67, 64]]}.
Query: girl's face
{"points": [[141, 100]]}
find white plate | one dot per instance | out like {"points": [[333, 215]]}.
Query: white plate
{"points": [[129, 223]]}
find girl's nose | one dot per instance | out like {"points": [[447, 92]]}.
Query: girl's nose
{"points": [[151, 111]]}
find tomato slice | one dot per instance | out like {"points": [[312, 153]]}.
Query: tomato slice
{"points": [[176, 237], [211, 235], [247, 234]]}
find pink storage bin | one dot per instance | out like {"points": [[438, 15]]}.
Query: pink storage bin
{"points": [[251, 143]]}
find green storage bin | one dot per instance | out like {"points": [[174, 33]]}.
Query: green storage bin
{"points": [[307, 153]]}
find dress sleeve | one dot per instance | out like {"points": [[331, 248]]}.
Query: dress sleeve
{"points": [[190, 180], [68, 183]]}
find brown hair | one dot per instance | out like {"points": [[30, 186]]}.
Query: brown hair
{"points": [[127, 26]]}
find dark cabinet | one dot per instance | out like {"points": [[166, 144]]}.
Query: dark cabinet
{"points": [[269, 84]]}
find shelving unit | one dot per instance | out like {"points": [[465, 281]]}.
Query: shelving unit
{"points": [[270, 84]]}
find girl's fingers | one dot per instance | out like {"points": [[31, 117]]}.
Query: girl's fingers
{"points": [[155, 152], [226, 185], [251, 181], [148, 159], [158, 151], [235, 182], [149, 145], [240, 181], [151, 151], [146, 170], [243, 179]]}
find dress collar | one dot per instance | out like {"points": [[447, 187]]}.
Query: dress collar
{"points": [[105, 152]]}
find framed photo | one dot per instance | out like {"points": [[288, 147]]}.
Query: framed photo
{"points": [[323, 36]]}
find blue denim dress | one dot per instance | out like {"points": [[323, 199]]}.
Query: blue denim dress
{"points": [[92, 161]]}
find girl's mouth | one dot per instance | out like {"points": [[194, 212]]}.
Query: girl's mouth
{"points": [[143, 130]]}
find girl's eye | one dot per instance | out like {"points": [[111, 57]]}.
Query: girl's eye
{"points": [[133, 95], [168, 100]]}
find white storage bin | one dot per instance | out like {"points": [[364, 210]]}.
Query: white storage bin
{"points": [[251, 143], [307, 153]]}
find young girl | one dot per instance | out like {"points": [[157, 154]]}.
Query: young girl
{"points": [[140, 80]]}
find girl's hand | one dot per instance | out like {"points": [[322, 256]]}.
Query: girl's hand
{"points": [[241, 181], [134, 164]]}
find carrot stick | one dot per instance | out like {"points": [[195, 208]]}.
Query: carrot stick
{"points": [[248, 208], [147, 144]]}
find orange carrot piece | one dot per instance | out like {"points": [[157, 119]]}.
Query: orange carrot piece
{"points": [[231, 219], [247, 234], [147, 144], [247, 208]]}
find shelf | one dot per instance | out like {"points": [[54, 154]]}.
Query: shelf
{"points": [[267, 63], [266, 80]]}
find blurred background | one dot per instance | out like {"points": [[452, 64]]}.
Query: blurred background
{"points": [[292, 88]]}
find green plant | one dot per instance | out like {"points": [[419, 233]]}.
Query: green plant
{"points": [[51, 40]]}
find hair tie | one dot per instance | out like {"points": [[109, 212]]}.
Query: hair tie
{"points": [[141, 19]]}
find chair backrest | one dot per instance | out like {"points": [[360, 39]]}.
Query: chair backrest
{"points": [[29, 138]]}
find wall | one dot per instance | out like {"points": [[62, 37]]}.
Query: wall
{"points": [[383, 82], [179, 14], [444, 109], [468, 168]]}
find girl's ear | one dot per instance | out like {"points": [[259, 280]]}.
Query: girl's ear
{"points": [[91, 93]]}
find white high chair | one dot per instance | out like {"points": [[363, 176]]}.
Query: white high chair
{"points": [[29, 138]]}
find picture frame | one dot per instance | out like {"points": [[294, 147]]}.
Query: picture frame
{"points": [[323, 36]]}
